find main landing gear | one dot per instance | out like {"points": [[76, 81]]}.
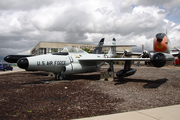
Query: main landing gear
{"points": [[109, 74]]}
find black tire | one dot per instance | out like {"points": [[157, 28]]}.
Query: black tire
{"points": [[61, 77], [56, 76], [109, 70]]}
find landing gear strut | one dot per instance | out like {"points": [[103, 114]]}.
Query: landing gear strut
{"points": [[108, 74], [58, 76], [110, 71]]}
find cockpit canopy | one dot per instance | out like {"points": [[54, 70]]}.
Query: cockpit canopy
{"points": [[67, 50], [72, 50]]}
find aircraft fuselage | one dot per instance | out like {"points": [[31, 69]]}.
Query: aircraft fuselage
{"points": [[66, 64]]}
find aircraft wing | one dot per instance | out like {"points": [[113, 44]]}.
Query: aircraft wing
{"points": [[175, 54], [119, 45], [133, 53], [136, 53], [113, 59]]}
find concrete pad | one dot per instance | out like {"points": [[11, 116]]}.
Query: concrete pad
{"points": [[121, 116], [163, 113]]}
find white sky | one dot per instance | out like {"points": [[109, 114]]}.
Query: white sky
{"points": [[24, 23]]}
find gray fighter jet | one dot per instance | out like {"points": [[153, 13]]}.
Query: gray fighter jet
{"points": [[72, 60]]}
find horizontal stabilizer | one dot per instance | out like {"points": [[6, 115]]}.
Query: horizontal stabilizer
{"points": [[119, 45]]}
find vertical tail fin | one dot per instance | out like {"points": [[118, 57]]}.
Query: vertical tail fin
{"points": [[142, 48], [98, 49], [112, 51]]}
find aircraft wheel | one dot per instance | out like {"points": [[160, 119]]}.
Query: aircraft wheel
{"points": [[109, 70], [59, 77]]}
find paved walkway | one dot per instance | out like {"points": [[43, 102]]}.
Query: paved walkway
{"points": [[161, 113], [15, 69]]}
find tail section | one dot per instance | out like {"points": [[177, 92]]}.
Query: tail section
{"points": [[98, 49], [112, 51]]}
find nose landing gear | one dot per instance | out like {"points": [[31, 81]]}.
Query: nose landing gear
{"points": [[59, 76]]}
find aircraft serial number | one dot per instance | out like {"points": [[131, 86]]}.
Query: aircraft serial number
{"points": [[49, 63]]}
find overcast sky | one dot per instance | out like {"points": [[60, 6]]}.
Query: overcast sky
{"points": [[24, 23]]}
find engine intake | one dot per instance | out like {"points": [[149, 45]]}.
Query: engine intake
{"points": [[161, 59]]}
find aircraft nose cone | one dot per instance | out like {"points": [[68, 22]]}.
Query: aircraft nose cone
{"points": [[7, 59], [160, 37], [23, 63]]}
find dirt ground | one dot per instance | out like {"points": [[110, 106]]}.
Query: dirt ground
{"points": [[33, 95]]}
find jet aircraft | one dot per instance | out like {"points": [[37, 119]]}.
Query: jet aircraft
{"points": [[72, 60], [161, 44]]}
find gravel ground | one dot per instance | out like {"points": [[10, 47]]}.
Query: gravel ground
{"points": [[26, 95]]}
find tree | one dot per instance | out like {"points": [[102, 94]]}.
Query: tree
{"points": [[87, 50], [55, 51]]}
